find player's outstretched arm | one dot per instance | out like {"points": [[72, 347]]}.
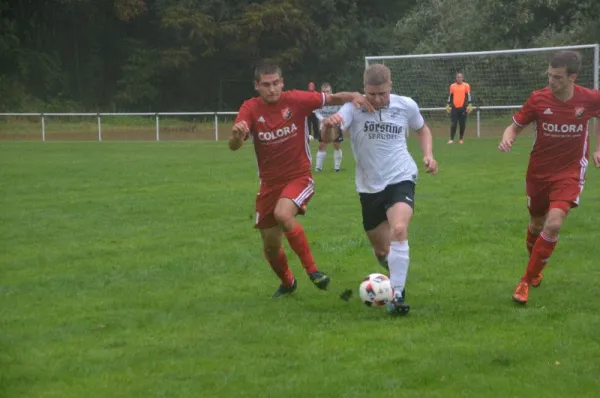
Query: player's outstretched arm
{"points": [[330, 128], [509, 136], [426, 141], [597, 151], [239, 132], [341, 98]]}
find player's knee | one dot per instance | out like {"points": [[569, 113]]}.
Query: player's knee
{"points": [[553, 225], [556, 216], [399, 231], [282, 215], [536, 227]]}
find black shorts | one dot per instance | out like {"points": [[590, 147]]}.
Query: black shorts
{"points": [[340, 137], [375, 205]]}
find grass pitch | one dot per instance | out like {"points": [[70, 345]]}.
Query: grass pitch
{"points": [[131, 269]]}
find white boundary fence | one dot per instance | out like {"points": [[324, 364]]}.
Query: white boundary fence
{"points": [[44, 116]]}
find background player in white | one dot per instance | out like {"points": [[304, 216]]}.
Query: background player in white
{"points": [[385, 171], [321, 114]]}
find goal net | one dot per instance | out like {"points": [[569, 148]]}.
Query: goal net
{"points": [[500, 82]]}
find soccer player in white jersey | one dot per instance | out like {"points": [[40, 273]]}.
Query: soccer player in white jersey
{"points": [[321, 114], [386, 173]]}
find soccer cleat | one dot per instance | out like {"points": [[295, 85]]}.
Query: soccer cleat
{"points": [[320, 280], [398, 306], [521, 293], [286, 290], [460, 141], [318, 169], [450, 141], [346, 294], [537, 281], [336, 170]]}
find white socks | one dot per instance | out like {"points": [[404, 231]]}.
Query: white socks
{"points": [[320, 159], [337, 159], [398, 260]]}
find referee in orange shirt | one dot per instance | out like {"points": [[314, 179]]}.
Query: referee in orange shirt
{"points": [[459, 105]]}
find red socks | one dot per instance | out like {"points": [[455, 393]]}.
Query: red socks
{"points": [[280, 266], [542, 250], [531, 238], [298, 242]]}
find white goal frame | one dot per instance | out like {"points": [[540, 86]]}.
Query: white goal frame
{"points": [[479, 109]]}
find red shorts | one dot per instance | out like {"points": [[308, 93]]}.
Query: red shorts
{"points": [[540, 194], [299, 191]]}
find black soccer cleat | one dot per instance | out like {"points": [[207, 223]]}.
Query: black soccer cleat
{"points": [[320, 280], [285, 290], [398, 307], [337, 170], [346, 294]]}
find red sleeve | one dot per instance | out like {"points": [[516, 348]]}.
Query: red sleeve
{"points": [[308, 100], [245, 114], [527, 113]]}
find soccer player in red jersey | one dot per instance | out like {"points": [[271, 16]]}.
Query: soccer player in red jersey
{"points": [[277, 121], [558, 160]]}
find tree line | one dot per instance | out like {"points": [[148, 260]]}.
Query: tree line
{"points": [[199, 55]]}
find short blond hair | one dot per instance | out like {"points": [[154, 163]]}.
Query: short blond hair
{"points": [[376, 75], [325, 86]]}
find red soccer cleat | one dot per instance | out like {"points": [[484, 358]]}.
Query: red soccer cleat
{"points": [[521, 293]]}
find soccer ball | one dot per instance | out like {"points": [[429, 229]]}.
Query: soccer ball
{"points": [[376, 290]]}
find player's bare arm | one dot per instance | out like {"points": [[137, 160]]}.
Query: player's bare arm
{"points": [[597, 151], [426, 141], [509, 136], [239, 132], [330, 128], [359, 100]]}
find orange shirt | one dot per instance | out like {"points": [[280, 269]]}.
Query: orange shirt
{"points": [[460, 95]]}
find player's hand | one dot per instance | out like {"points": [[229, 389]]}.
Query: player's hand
{"points": [[240, 130], [360, 101], [334, 120], [506, 144], [448, 109], [596, 157], [469, 108], [430, 165]]}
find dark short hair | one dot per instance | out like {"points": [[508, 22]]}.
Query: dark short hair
{"points": [[266, 68], [566, 59]]}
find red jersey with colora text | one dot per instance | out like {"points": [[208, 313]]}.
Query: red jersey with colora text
{"points": [[561, 143], [280, 135]]}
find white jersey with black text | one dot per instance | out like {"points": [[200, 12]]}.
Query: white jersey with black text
{"points": [[379, 142], [326, 111]]}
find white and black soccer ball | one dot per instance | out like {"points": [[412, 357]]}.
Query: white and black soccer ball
{"points": [[376, 290]]}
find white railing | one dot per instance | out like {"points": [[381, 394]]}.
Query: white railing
{"points": [[99, 116], [43, 116]]}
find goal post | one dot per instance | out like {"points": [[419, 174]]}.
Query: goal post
{"points": [[500, 80]]}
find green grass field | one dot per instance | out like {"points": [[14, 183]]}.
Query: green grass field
{"points": [[132, 269]]}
